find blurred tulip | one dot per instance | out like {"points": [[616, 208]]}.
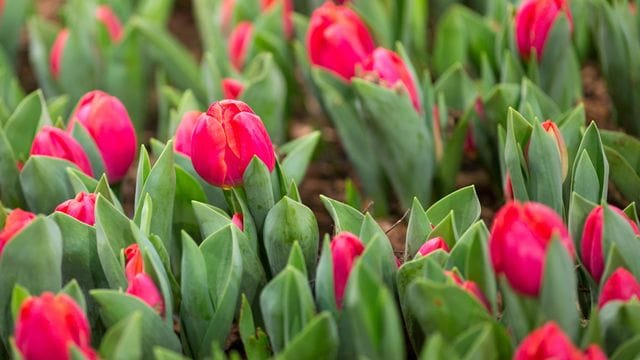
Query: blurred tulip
{"points": [[287, 13], [184, 133], [47, 327], [345, 249], [134, 262], [388, 68], [534, 21], [621, 286], [591, 245], [15, 222], [238, 221], [337, 40], [225, 140], [550, 342], [226, 15], [552, 129], [231, 88], [108, 18], [107, 121], [471, 287], [55, 56], [239, 44], [82, 208], [53, 142], [518, 243], [432, 245], [143, 287]]}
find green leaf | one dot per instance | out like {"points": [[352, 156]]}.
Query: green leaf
{"points": [[91, 149], [345, 217], [324, 286], [616, 230], [18, 296], [465, 206], [123, 340], [40, 170], [296, 259], [319, 339], [10, 189], [417, 229], [75, 292], [113, 234], [257, 186], [21, 128], [545, 170], [591, 144], [298, 154]]}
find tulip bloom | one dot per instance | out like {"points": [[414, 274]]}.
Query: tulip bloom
{"points": [[287, 13], [337, 40], [82, 208], [621, 286], [239, 44], [390, 70], [108, 18], [55, 57], [48, 325], [225, 140], [345, 249], [552, 130], [107, 121], [184, 133], [13, 224], [143, 287], [471, 287], [134, 262], [231, 88], [550, 342], [591, 245], [432, 245], [518, 243], [53, 142], [238, 221], [534, 21]]}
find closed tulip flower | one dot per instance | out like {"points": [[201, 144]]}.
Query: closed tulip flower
{"points": [[518, 243], [82, 208], [534, 21], [239, 44], [143, 287], [552, 130], [345, 249], [471, 287], [13, 224], [591, 245], [337, 40], [238, 221], [388, 68], [53, 142], [134, 262], [432, 245], [620, 286], [55, 56], [231, 88], [49, 325], [107, 121], [225, 140], [550, 342], [226, 15], [184, 132], [110, 21]]}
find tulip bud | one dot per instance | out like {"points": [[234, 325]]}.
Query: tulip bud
{"points": [[534, 21], [48, 325], [238, 221], [143, 287], [432, 245], [55, 57], [239, 43], [345, 249], [51, 141], [337, 40], [552, 129], [287, 13], [621, 286], [184, 133], [107, 121], [591, 244], [226, 15], [82, 208], [518, 243], [471, 287], [231, 88], [134, 262], [108, 18], [225, 140], [550, 342], [594, 352], [16, 221]]}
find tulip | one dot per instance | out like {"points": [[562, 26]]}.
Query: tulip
{"points": [[55, 57], [51, 141], [337, 40], [550, 342], [143, 287], [390, 70], [107, 121], [470, 287], [108, 18], [287, 13], [345, 249], [82, 208], [226, 15], [231, 88], [239, 43], [552, 130], [591, 244], [534, 21], [238, 221], [47, 327], [432, 245], [518, 243], [134, 262], [225, 140], [184, 133], [13, 224], [621, 286]]}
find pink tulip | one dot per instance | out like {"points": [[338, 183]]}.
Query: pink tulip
{"points": [[471, 287], [345, 249], [14, 223], [53, 142], [534, 21], [238, 221], [239, 44], [226, 139], [550, 342], [621, 286], [55, 57], [108, 18], [143, 287], [184, 133], [518, 243], [231, 88], [107, 121], [82, 208], [432, 245], [134, 262]]}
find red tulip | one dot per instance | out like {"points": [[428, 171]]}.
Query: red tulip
{"points": [[143, 287], [552, 129], [239, 43], [134, 262], [48, 325], [53, 142], [184, 132], [13, 224], [534, 21], [337, 40], [82, 208], [55, 57], [621, 285], [107, 121], [591, 244], [471, 287], [594, 352], [287, 13], [345, 249], [108, 18], [549, 342], [432, 245], [238, 221], [518, 243], [231, 88], [225, 140], [388, 67]]}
